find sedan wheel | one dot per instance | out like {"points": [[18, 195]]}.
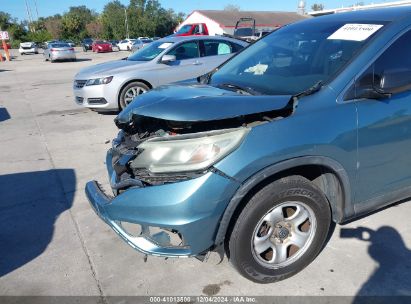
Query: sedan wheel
{"points": [[131, 91]]}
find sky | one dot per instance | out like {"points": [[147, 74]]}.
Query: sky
{"points": [[46, 8]]}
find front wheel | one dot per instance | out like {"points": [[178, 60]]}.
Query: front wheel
{"points": [[280, 231], [130, 91]]}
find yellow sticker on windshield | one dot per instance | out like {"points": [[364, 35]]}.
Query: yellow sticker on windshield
{"points": [[355, 32]]}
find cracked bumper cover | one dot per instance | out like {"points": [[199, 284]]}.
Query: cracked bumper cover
{"points": [[193, 208]]}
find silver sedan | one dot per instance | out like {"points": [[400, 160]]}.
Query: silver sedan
{"points": [[113, 85], [59, 51]]}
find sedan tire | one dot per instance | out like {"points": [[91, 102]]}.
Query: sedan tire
{"points": [[280, 231], [130, 91]]}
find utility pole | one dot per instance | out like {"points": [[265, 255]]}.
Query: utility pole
{"points": [[37, 12], [126, 23], [29, 16]]}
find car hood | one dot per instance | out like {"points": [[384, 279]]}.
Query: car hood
{"points": [[106, 68], [196, 103]]}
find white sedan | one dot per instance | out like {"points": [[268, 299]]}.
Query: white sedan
{"points": [[126, 44], [28, 47]]}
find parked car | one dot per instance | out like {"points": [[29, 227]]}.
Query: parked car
{"points": [[101, 46], [196, 29], [28, 47], [59, 51], [113, 85], [140, 43], [114, 45], [309, 125], [87, 44], [126, 44]]}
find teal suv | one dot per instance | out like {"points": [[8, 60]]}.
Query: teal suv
{"points": [[255, 160]]}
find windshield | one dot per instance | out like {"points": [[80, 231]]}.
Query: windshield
{"points": [[293, 59], [244, 31], [59, 45], [150, 52], [184, 29]]}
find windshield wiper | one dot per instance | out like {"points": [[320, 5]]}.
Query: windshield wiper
{"points": [[314, 89], [239, 89]]}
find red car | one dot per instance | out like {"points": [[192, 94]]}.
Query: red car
{"points": [[195, 29], [100, 46]]}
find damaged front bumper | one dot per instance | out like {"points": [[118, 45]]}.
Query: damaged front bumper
{"points": [[172, 220]]}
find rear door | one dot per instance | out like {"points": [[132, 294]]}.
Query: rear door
{"points": [[214, 52]]}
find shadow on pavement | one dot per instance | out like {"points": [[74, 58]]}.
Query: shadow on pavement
{"points": [[30, 204], [4, 114], [393, 274]]}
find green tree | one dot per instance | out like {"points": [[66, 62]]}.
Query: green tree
{"points": [[113, 20], [75, 20]]}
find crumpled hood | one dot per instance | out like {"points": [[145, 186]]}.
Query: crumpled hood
{"points": [[195, 103], [106, 68]]}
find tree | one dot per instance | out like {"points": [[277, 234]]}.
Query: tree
{"points": [[75, 20], [232, 8], [113, 21], [317, 7], [54, 25], [95, 28]]}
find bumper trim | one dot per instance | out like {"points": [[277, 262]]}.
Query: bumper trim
{"points": [[98, 199]]}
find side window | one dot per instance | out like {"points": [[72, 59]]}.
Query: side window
{"points": [[236, 47], [396, 57], [196, 29], [390, 72], [188, 50], [214, 48]]}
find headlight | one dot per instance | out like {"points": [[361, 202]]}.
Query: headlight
{"points": [[98, 81], [188, 152]]}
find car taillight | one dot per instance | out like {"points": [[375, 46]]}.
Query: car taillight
{"points": [[53, 50], [71, 49]]}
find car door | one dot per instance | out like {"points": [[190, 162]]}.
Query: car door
{"points": [[384, 128], [214, 52], [186, 66]]}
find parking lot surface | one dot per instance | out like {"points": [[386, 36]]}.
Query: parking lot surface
{"points": [[52, 243]]}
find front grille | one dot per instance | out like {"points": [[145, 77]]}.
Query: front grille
{"points": [[79, 83], [97, 101], [160, 179]]}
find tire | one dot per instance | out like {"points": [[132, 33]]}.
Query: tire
{"points": [[84, 49], [141, 87], [276, 202], [51, 60]]}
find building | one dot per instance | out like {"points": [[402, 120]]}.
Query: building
{"points": [[359, 7], [223, 22]]}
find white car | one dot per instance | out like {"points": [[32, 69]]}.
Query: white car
{"points": [[126, 44], [28, 47], [139, 44]]}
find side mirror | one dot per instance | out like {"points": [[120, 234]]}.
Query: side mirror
{"points": [[168, 58], [394, 81]]}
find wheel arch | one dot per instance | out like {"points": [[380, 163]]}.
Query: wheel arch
{"points": [[324, 172], [127, 83]]}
